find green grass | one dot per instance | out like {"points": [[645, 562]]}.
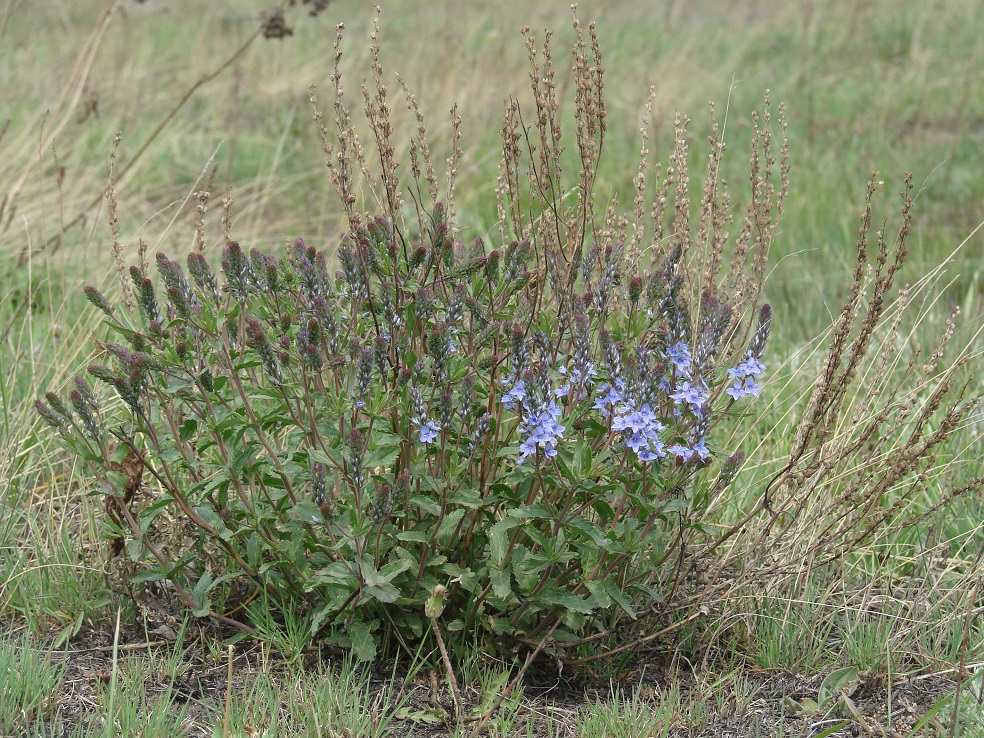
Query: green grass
{"points": [[30, 682], [868, 86]]}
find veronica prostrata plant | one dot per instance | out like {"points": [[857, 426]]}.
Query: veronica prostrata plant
{"points": [[529, 422]]}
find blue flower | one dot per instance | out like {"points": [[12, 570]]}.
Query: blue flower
{"points": [[750, 367], [692, 394], [541, 430], [652, 454], [643, 427], [679, 355], [579, 378], [743, 388], [701, 450], [744, 376], [516, 394], [612, 396], [697, 452], [429, 431], [580, 374]]}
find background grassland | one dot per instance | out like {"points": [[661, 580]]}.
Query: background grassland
{"points": [[868, 86]]}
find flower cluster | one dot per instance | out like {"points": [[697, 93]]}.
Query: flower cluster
{"points": [[429, 429], [643, 427], [541, 429], [696, 451], [743, 376]]}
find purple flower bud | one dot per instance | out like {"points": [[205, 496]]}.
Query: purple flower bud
{"points": [[146, 297], [179, 292], [445, 409], [319, 485], [519, 350], [418, 257], [96, 298], [482, 428], [203, 276], [761, 335], [84, 402], [50, 417], [237, 270], [256, 338], [58, 406], [729, 470], [492, 266]]}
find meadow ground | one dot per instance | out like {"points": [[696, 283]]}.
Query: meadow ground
{"points": [[888, 636]]}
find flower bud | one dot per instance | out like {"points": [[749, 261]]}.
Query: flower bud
{"points": [[435, 603]]}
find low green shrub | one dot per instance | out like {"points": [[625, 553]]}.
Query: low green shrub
{"points": [[526, 428]]}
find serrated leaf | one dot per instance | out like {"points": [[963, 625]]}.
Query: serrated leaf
{"points": [[501, 583], [154, 575], [383, 456], [363, 644], [449, 524], [499, 540], [416, 536], [306, 511], [426, 504], [536, 511], [210, 516], [599, 591], [616, 594], [566, 600], [200, 593], [188, 430], [383, 592]]}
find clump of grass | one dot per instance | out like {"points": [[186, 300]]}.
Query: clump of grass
{"points": [[31, 682]]}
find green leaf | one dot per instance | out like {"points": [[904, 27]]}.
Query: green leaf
{"points": [[254, 549], [363, 645], [383, 455], [566, 600], [154, 575], [200, 593], [417, 536], [426, 504], [188, 430], [498, 540], [616, 594], [845, 679], [467, 497], [449, 524], [501, 583], [306, 511], [210, 516], [592, 529], [599, 591], [536, 511], [390, 571], [383, 592], [380, 580]]}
